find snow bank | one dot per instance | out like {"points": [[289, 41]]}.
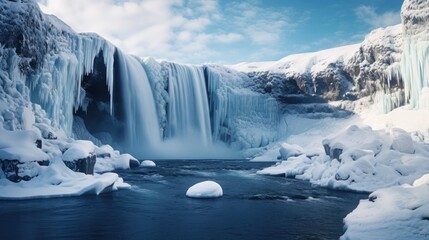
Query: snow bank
{"points": [[290, 150], [109, 160], [302, 63], [148, 163], [78, 150], [399, 212], [206, 189], [57, 180], [363, 160]]}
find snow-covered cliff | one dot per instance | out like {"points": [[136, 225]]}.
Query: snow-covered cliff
{"points": [[348, 72], [81, 81]]}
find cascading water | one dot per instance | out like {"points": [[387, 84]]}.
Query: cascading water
{"points": [[142, 128], [188, 109]]}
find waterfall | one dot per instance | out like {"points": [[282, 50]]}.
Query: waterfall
{"points": [[141, 122], [188, 110]]}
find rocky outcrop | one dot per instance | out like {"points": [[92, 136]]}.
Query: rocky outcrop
{"points": [[344, 73], [80, 156], [83, 165]]}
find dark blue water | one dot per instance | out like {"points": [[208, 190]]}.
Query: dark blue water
{"points": [[253, 207]]}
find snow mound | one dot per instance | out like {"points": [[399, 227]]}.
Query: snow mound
{"points": [[360, 159], [290, 150], [302, 63], [206, 189], [78, 150], [400, 212], [109, 160], [148, 163], [57, 180]]}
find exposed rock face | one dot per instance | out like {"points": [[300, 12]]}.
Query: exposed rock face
{"points": [[16, 171], [83, 165], [348, 72], [415, 18], [80, 156]]}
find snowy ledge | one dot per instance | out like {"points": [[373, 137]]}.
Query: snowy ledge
{"points": [[57, 180], [399, 212]]}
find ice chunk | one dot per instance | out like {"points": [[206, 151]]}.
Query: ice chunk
{"points": [[148, 163], [402, 141], [206, 189], [290, 150]]}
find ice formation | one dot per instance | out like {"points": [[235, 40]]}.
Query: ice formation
{"points": [[360, 159], [415, 57]]}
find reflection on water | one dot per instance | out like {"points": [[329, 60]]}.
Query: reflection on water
{"points": [[253, 207]]}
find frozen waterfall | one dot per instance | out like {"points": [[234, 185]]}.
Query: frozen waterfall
{"points": [[415, 72], [156, 109]]}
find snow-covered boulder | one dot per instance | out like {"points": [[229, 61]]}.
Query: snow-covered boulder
{"points": [[290, 150], [80, 156], [367, 161], [20, 156], [148, 163], [402, 141], [57, 180], [206, 189], [353, 138], [400, 212], [108, 159]]}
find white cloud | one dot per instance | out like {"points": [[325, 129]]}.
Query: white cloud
{"points": [[368, 15], [261, 25], [160, 28]]}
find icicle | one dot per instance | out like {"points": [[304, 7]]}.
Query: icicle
{"points": [[415, 72]]}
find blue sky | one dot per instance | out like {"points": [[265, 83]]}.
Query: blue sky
{"points": [[222, 31]]}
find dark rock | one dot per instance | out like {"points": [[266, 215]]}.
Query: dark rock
{"points": [[43, 163], [333, 153], [51, 136], [39, 143], [103, 155], [134, 163], [372, 198], [336, 152], [11, 169], [338, 177], [327, 149], [83, 165]]}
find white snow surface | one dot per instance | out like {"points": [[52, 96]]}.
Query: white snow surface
{"points": [[21, 146], [148, 163], [370, 160], [290, 150], [206, 189], [312, 62], [57, 180], [399, 212], [109, 159], [78, 150]]}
